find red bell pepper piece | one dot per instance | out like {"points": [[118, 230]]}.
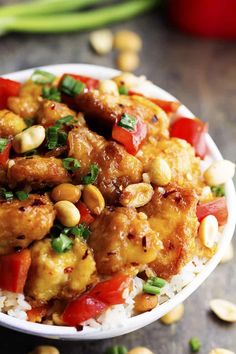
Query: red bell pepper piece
{"points": [[37, 313], [193, 131], [8, 88], [110, 291], [131, 140], [216, 207], [4, 155], [96, 300], [13, 270], [85, 214], [91, 84], [167, 106], [82, 309]]}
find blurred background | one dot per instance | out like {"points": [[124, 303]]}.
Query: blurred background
{"points": [[192, 54]]}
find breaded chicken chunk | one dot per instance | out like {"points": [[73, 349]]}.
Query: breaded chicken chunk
{"points": [[117, 167], [49, 112], [102, 111], [37, 171], [179, 155], [59, 276], [10, 124], [22, 222], [173, 216], [122, 240]]}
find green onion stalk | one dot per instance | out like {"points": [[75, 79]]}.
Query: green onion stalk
{"points": [[61, 23], [41, 7]]}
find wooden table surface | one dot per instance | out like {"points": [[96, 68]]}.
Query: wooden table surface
{"points": [[202, 74]]}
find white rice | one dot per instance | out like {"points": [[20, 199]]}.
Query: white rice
{"points": [[14, 304]]}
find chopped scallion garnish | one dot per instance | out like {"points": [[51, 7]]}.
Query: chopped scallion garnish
{"points": [[92, 176], [67, 120], [128, 122], [22, 195], [51, 93], [3, 144], [70, 164], [81, 230], [155, 281], [151, 289], [123, 90], [218, 191], [117, 349], [52, 137], [71, 86], [195, 344], [8, 195], [42, 77], [62, 243]]}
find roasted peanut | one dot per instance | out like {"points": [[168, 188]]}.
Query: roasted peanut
{"points": [[174, 315], [145, 302], [221, 351], [219, 172], [140, 350], [126, 79], [93, 198], [224, 310], [127, 40], [67, 213], [127, 61], [208, 231], [101, 41], [160, 172], [29, 139], [136, 195], [108, 87], [45, 349], [66, 191]]}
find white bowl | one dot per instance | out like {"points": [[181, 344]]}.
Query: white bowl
{"points": [[134, 323]]}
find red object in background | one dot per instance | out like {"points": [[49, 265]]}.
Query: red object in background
{"points": [[216, 207], [85, 214], [208, 18], [8, 88], [13, 270], [4, 155], [131, 140], [193, 131], [91, 304]]}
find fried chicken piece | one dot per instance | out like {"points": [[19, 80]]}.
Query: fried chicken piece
{"points": [[117, 167], [59, 276], [27, 103], [22, 222], [37, 172], [122, 240], [10, 124], [173, 216], [50, 111], [102, 111], [180, 156]]}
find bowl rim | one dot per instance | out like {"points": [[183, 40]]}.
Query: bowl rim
{"points": [[133, 323]]}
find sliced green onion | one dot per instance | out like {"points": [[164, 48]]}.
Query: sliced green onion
{"points": [[92, 176], [52, 137], [218, 191], [81, 230], [151, 289], [117, 349], [3, 144], [62, 138], [62, 243], [71, 86], [195, 344], [155, 281], [51, 93], [22, 195], [70, 164], [128, 122], [67, 120], [8, 195], [123, 90], [42, 77]]}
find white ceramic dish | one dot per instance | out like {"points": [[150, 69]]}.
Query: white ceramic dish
{"points": [[142, 320]]}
